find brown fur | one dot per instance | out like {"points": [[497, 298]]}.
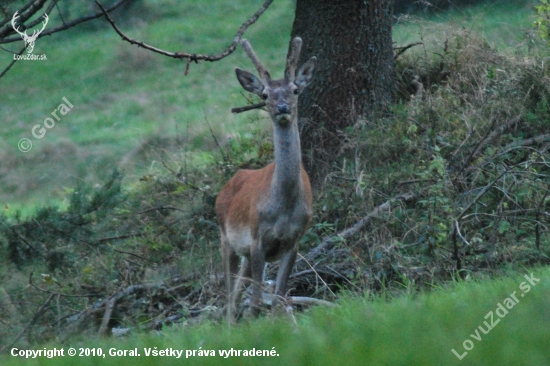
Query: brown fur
{"points": [[263, 213]]}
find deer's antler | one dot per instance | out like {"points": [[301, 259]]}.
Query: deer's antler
{"points": [[15, 16], [264, 74], [36, 33], [292, 59]]}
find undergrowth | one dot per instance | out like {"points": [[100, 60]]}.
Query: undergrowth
{"points": [[423, 330]]}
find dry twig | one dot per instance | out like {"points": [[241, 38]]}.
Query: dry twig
{"points": [[248, 107], [403, 49]]}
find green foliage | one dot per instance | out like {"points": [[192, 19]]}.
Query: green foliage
{"points": [[47, 235], [472, 144], [543, 20]]}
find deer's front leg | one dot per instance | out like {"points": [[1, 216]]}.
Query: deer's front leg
{"points": [[257, 264], [240, 284], [285, 267]]}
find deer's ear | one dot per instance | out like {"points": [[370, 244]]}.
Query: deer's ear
{"points": [[249, 82], [305, 73]]}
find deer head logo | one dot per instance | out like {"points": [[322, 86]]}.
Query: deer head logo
{"points": [[29, 40]]}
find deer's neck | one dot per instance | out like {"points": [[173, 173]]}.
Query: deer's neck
{"points": [[287, 180]]}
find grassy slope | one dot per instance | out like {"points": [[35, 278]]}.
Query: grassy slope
{"points": [[122, 95], [412, 330]]}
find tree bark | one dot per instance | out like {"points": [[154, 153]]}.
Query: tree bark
{"points": [[355, 72]]}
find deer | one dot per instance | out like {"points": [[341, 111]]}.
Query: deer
{"points": [[29, 40], [264, 213]]}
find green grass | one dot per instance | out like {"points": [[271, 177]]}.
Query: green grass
{"points": [[122, 94], [409, 330], [504, 24]]}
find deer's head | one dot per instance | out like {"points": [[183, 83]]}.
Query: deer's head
{"points": [[29, 40], [280, 96]]}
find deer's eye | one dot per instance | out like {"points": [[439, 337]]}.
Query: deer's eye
{"points": [[264, 96], [296, 92]]}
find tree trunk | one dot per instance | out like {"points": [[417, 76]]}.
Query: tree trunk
{"points": [[355, 72]]}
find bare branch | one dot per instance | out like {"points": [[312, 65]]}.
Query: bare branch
{"points": [[28, 10], [21, 10], [186, 55], [39, 19], [12, 62], [403, 49], [457, 227], [9, 30]]}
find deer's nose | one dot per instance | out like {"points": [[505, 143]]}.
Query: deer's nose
{"points": [[282, 108]]}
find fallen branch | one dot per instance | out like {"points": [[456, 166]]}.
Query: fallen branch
{"points": [[316, 272], [308, 301], [480, 194], [488, 139], [526, 142], [109, 306], [329, 241], [509, 148]]}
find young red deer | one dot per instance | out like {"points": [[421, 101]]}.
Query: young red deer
{"points": [[264, 213]]}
